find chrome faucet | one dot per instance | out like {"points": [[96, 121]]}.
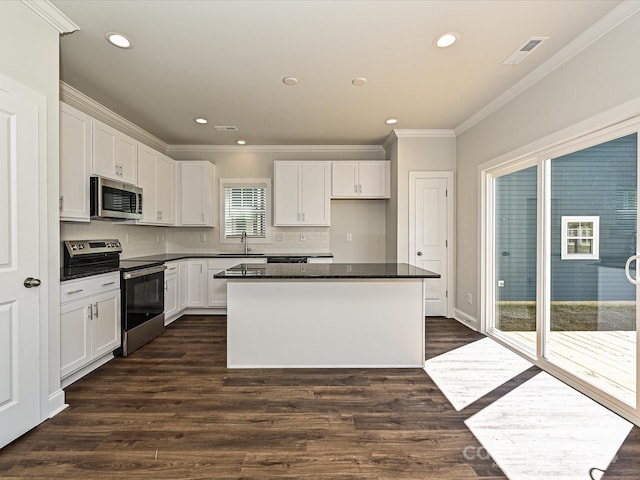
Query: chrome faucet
{"points": [[245, 240]]}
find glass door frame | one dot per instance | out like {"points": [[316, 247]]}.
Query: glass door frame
{"points": [[489, 172]]}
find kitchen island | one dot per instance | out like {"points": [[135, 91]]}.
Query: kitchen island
{"points": [[368, 315]]}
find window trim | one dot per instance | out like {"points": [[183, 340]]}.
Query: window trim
{"points": [[594, 237], [244, 182]]}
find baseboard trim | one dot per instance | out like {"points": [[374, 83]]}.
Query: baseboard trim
{"points": [[56, 403], [467, 320]]}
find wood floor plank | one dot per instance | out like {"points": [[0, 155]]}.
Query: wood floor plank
{"points": [[176, 396]]}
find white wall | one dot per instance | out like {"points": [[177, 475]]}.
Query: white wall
{"points": [[602, 77], [29, 55]]}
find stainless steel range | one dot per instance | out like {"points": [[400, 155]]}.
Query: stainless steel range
{"points": [[142, 287]]}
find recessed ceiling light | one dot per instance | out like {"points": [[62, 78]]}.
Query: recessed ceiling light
{"points": [[201, 121], [391, 121], [118, 39], [359, 81], [290, 81], [241, 142], [446, 40]]}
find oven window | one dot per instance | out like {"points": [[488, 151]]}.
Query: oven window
{"points": [[143, 299]]}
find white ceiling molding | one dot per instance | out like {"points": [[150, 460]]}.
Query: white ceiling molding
{"points": [[77, 99], [423, 133], [178, 150], [51, 15], [416, 133], [625, 10]]}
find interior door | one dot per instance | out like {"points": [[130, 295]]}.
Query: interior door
{"points": [[430, 240], [19, 260]]}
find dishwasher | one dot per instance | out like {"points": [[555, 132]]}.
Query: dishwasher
{"points": [[287, 259]]}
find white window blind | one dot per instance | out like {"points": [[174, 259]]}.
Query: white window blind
{"points": [[245, 210]]}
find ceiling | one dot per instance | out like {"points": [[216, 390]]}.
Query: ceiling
{"points": [[225, 61]]}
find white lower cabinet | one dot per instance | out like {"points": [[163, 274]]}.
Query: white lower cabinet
{"points": [[175, 290], [196, 283], [90, 327]]}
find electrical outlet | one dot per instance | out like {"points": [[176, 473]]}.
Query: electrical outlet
{"points": [[349, 237], [203, 237], [279, 237], [157, 238], [469, 298], [303, 237], [501, 283], [127, 239]]}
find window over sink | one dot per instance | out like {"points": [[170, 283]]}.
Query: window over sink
{"points": [[246, 207]]}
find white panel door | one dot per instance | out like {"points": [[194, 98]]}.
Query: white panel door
{"points": [[287, 194], [19, 259], [147, 180], [430, 203], [373, 179], [165, 189]]}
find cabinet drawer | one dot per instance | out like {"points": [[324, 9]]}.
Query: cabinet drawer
{"points": [[83, 287], [172, 268]]}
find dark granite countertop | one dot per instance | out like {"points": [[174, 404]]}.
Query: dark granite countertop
{"points": [[169, 257], [127, 264], [325, 270]]}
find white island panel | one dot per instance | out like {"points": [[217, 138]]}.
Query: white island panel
{"points": [[325, 323]]}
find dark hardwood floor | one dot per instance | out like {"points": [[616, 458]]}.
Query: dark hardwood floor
{"points": [[172, 410]]}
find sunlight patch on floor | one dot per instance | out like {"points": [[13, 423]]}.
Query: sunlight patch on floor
{"points": [[545, 429], [468, 373]]}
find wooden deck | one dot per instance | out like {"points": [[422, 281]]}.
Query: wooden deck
{"points": [[606, 359]]}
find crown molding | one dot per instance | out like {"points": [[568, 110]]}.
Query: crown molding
{"points": [[178, 150], [423, 133], [595, 32], [50, 14], [76, 98]]}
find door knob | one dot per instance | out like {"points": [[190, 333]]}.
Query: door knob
{"points": [[419, 254], [31, 282]]}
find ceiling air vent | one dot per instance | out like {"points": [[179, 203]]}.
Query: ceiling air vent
{"points": [[226, 128], [528, 47]]}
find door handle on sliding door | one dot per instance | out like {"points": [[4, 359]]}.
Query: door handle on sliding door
{"points": [[635, 281]]}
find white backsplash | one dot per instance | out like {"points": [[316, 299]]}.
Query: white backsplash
{"points": [[142, 240]]}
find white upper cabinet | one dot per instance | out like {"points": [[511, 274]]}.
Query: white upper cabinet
{"points": [[115, 155], [360, 180], [156, 176], [75, 164], [196, 194], [302, 193]]}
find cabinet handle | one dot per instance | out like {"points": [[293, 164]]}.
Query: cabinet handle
{"points": [[303, 217], [61, 201], [203, 218], [355, 188], [107, 284], [96, 315], [75, 291], [165, 285], [172, 268], [91, 312]]}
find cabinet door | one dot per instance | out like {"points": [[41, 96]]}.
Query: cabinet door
{"points": [[165, 189], [171, 293], [196, 193], [344, 179], [183, 268], [75, 164], [316, 193], [127, 158], [286, 196], [373, 179], [196, 284], [104, 151], [217, 287], [105, 325], [147, 180], [75, 336]]}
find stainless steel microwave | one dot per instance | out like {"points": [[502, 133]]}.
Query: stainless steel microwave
{"points": [[116, 200]]}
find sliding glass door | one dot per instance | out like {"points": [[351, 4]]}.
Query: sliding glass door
{"points": [[559, 228], [593, 227]]}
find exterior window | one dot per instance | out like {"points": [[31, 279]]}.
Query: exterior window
{"points": [[580, 238], [245, 210]]}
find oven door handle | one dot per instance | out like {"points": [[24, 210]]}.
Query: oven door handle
{"points": [[143, 272]]}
